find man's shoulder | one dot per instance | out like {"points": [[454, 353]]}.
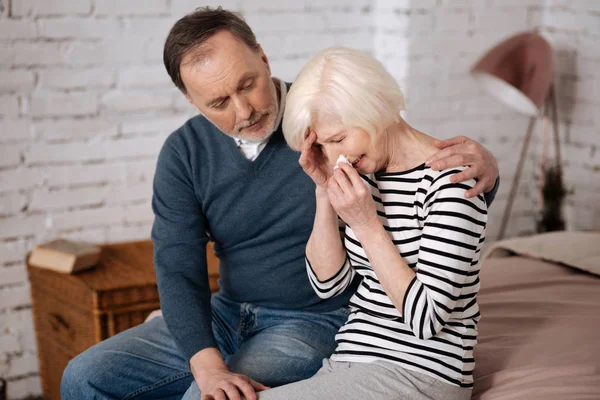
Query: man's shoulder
{"points": [[185, 141], [193, 126], [196, 131]]}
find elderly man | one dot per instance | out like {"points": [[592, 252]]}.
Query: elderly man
{"points": [[227, 175]]}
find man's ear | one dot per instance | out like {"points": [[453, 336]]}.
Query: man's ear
{"points": [[264, 58]]}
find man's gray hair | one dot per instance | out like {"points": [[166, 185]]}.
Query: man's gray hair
{"points": [[190, 32]]}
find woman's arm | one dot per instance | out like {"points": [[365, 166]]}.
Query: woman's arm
{"points": [[324, 250], [353, 201], [453, 229], [327, 265], [394, 275], [449, 248]]}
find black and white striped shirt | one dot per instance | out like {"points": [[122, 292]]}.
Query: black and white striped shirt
{"points": [[439, 234]]}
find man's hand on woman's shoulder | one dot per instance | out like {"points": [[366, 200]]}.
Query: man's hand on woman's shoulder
{"points": [[462, 151]]}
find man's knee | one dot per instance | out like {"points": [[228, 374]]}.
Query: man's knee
{"points": [[193, 392], [78, 376], [137, 359], [286, 360]]}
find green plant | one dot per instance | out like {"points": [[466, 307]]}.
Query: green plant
{"points": [[553, 195]]}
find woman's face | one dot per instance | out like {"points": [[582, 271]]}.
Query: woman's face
{"points": [[335, 139]]}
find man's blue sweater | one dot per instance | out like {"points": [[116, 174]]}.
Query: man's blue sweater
{"points": [[260, 215]]}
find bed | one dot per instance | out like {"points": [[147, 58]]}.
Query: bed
{"points": [[539, 335]]}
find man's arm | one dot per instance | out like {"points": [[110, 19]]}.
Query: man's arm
{"points": [[483, 166], [491, 195], [179, 236]]}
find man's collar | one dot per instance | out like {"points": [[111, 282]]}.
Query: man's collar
{"points": [[282, 95]]}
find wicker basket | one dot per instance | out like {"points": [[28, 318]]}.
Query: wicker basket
{"points": [[74, 312]]}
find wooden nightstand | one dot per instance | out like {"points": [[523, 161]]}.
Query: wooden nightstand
{"points": [[74, 312]]}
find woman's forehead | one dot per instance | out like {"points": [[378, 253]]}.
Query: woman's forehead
{"points": [[327, 125], [328, 134]]}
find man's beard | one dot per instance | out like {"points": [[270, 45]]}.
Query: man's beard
{"points": [[258, 136], [270, 114], [269, 127]]}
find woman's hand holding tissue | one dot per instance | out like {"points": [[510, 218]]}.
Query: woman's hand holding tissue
{"points": [[351, 199]]}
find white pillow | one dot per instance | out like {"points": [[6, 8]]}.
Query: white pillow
{"points": [[579, 250]]}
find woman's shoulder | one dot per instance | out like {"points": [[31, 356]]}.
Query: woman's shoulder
{"points": [[437, 179], [442, 189]]}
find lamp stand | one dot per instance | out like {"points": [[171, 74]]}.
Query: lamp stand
{"points": [[549, 106], [516, 179]]}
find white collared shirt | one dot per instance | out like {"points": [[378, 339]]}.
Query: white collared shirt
{"points": [[251, 150]]}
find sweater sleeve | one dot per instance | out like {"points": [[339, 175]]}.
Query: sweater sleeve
{"points": [[180, 238], [337, 283], [453, 230], [334, 285], [491, 195]]}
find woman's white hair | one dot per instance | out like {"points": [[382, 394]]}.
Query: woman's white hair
{"points": [[345, 83]]}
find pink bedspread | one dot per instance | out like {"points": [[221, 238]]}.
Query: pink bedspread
{"points": [[539, 336]]}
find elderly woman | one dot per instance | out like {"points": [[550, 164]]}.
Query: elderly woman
{"points": [[408, 232]]}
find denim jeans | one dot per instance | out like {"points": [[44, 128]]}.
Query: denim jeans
{"points": [[272, 346]]}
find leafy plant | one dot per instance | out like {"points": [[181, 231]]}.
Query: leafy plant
{"points": [[553, 195]]}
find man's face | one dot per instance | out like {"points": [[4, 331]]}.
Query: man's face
{"points": [[232, 88]]}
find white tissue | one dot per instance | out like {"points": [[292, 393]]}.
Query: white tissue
{"points": [[341, 159]]}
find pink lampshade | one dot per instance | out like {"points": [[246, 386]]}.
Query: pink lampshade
{"points": [[518, 72]]}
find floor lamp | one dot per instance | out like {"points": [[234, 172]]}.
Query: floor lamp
{"points": [[518, 72]]}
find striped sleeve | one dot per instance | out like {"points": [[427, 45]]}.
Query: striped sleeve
{"points": [[452, 230], [334, 285]]}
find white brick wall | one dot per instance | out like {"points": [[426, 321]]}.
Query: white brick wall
{"points": [[85, 105], [132, 7], [23, 8], [573, 28], [15, 81], [433, 65]]}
